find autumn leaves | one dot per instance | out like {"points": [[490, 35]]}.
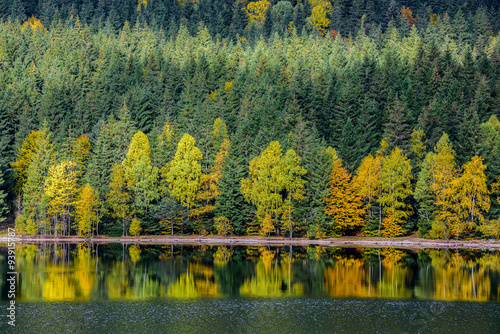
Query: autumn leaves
{"points": [[177, 185]]}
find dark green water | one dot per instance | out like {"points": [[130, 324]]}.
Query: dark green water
{"points": [[202, 289]]}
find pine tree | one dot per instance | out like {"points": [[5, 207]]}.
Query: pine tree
{"points": [[17, 11], [397, 133], [4, 209], [230, 203], [348, 149]]}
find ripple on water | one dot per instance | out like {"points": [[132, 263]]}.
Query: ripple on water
{"points": [[255, 315]]}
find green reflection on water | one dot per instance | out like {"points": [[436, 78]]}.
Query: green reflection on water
{"points": [[86, 272]]}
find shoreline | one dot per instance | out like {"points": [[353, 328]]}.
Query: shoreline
{"points": [[372, 242]]}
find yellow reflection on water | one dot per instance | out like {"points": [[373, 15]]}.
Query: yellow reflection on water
{"points": [[270, 277], [79, 273]]}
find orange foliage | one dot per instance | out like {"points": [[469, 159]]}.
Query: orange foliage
{"points": [[408, 15], [344, 204]]}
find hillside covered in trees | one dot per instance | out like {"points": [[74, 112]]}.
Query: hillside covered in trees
{"points": [[310, 118]]}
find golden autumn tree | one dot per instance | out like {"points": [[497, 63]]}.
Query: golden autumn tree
{"points": [[182, 174], [118, 197], [32, 195], [61, 188], [407, 14], [135, 227], [208, 182], [263, 188], [141, 175], [367, 181], [472, 195], [344, 204], [395, 181], [24, 157], [441, 175], [256, 11], [273, 182], [318, 19], [294, 186], [87, 211]]}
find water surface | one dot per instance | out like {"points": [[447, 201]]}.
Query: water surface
{"points": [[115, 288]]}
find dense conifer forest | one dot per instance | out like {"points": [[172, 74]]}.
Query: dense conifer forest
{"points": [[308, 118]]}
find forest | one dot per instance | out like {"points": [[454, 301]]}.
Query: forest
{"points": [[304, 118]]}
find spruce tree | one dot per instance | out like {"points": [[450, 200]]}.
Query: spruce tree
{"points": [[231, 203], [397, 132], [4, 209]]}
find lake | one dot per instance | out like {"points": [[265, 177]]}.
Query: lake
{"points": [[117, 288]]}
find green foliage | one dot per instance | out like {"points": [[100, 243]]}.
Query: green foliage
{"points": [[88, 81]]}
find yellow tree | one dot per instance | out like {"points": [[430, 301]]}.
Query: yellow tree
{"points": [[395, 181], [118, 198], [263, 188], [472, 195], [61, 188], [293, 184], [86, 211], [367, 181], [208, 183], [344, 203], [441, 175], [141, 175], [24, 157], [183, 173], [318, 19], [273, 179], [256, 11], [80, 151], [33, 197]]}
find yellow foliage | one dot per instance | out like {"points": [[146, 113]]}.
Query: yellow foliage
{"points": [[61, 188], [256, 11], [228, 86], [213, 94], [135, 227], [222, 255], [182, 174], [135, 253], [34, 24], [223, 226], [392, 227], [85, 210], [267, 226], [141, 3], [490, 228], [24, 157], [344, 204], [318, 19]]}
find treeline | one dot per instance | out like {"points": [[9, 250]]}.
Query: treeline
{"points": [[249, 19], [319, 97], [153, 189]]}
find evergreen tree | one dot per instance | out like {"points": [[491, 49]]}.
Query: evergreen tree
{"points": [[4, 209], [397, 132], [230, 203]]}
